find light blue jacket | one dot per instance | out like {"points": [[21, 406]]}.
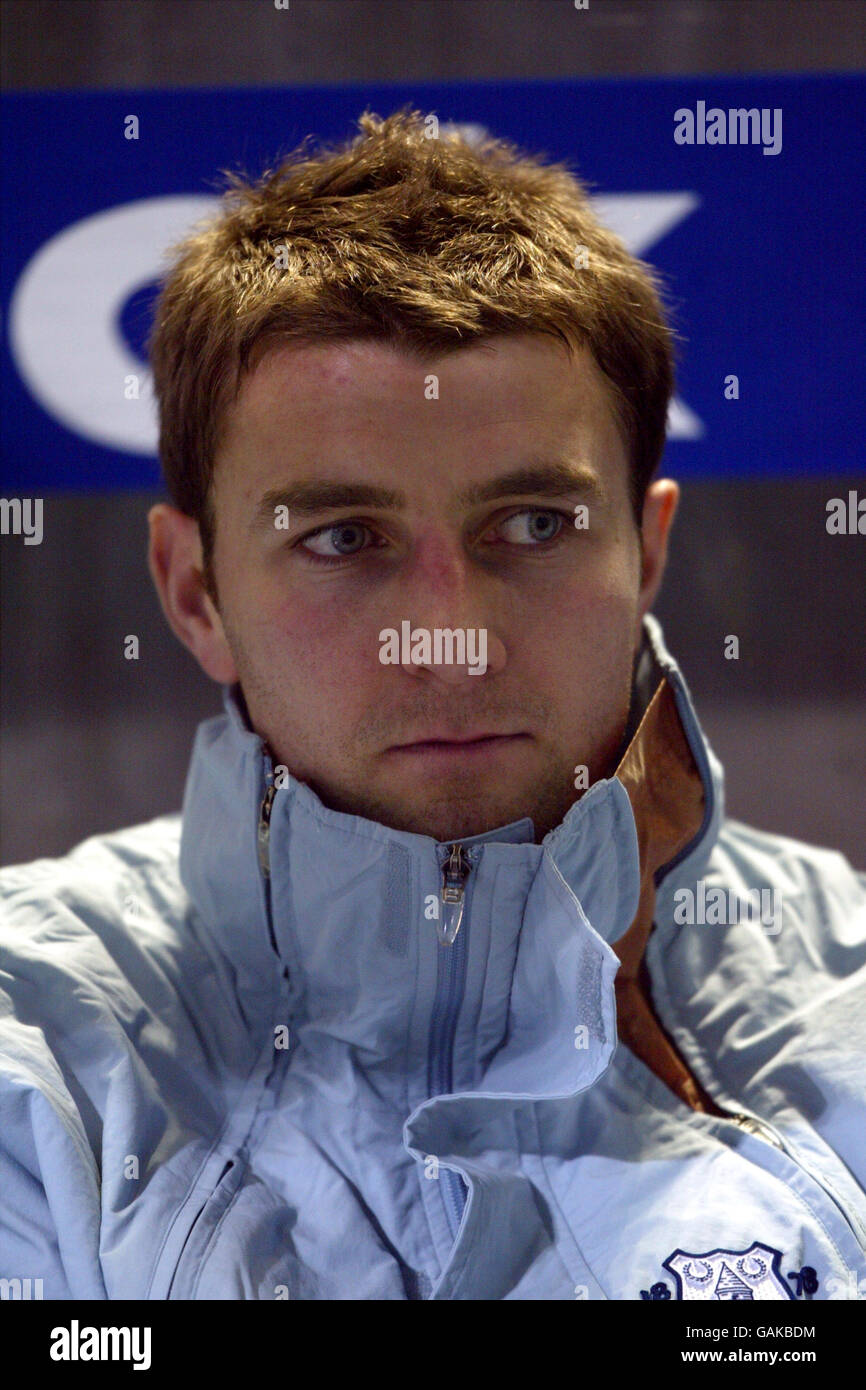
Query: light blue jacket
{"points": [[236, 1060]]}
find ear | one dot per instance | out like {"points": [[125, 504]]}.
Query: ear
{"points": [[659, 510], [176, 565]]}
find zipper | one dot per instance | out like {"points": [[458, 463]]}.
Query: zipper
{"points": [[456, 864], [453, 895], [752, 1124], [762, 1129], [205, 1204], [263, 843], [266, 1064], [263, 837]]}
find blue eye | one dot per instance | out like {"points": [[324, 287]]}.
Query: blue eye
{"points": [[340, 536], [551, 525]]}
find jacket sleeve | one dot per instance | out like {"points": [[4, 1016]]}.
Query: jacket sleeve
{"points": [[49, 1180], [50, 1208]]}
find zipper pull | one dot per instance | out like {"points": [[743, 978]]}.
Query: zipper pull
{"points": [[455, 871], [264, 830], [758, 1128]]}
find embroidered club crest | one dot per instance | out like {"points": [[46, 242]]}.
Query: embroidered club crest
{"points": [[730, 1275]]}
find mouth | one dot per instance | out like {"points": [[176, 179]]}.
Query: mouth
{"points": [[465, 746]]}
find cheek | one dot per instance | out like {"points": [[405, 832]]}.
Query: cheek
{"points": [[581, 646], [599, 605], [316, 646]]}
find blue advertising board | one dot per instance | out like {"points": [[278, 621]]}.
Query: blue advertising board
{"points": [[754, 222]]}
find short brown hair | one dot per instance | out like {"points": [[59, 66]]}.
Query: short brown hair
{"points": [[427, 244]]}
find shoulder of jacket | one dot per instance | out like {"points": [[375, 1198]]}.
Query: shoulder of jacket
{"points": [[761, 851], [818, 889], [92, 943], [112, 896], [101, 864]]}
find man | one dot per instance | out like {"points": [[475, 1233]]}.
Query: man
{"points": [[451, 981]]}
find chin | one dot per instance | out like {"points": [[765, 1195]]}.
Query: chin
{"points": [[452, 820]]}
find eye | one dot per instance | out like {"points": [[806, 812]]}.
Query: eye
{"points": [[543, 525], [347, 539]]}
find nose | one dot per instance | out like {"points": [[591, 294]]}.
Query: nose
{"points": [[445, 626]]}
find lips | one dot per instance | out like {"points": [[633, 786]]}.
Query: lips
{"points": [[445, 740]]}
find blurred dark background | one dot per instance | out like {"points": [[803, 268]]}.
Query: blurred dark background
{"points": [[91, 742]]}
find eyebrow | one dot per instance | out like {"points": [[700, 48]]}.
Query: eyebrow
{"points": [[556, 478]]}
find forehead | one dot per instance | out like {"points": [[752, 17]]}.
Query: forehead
{"points": [[360, 405]]}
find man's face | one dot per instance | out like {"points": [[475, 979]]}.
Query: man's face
{"points": [[302, 608]]}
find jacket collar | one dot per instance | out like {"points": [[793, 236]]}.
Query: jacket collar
{"points": [[344, 901]]}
